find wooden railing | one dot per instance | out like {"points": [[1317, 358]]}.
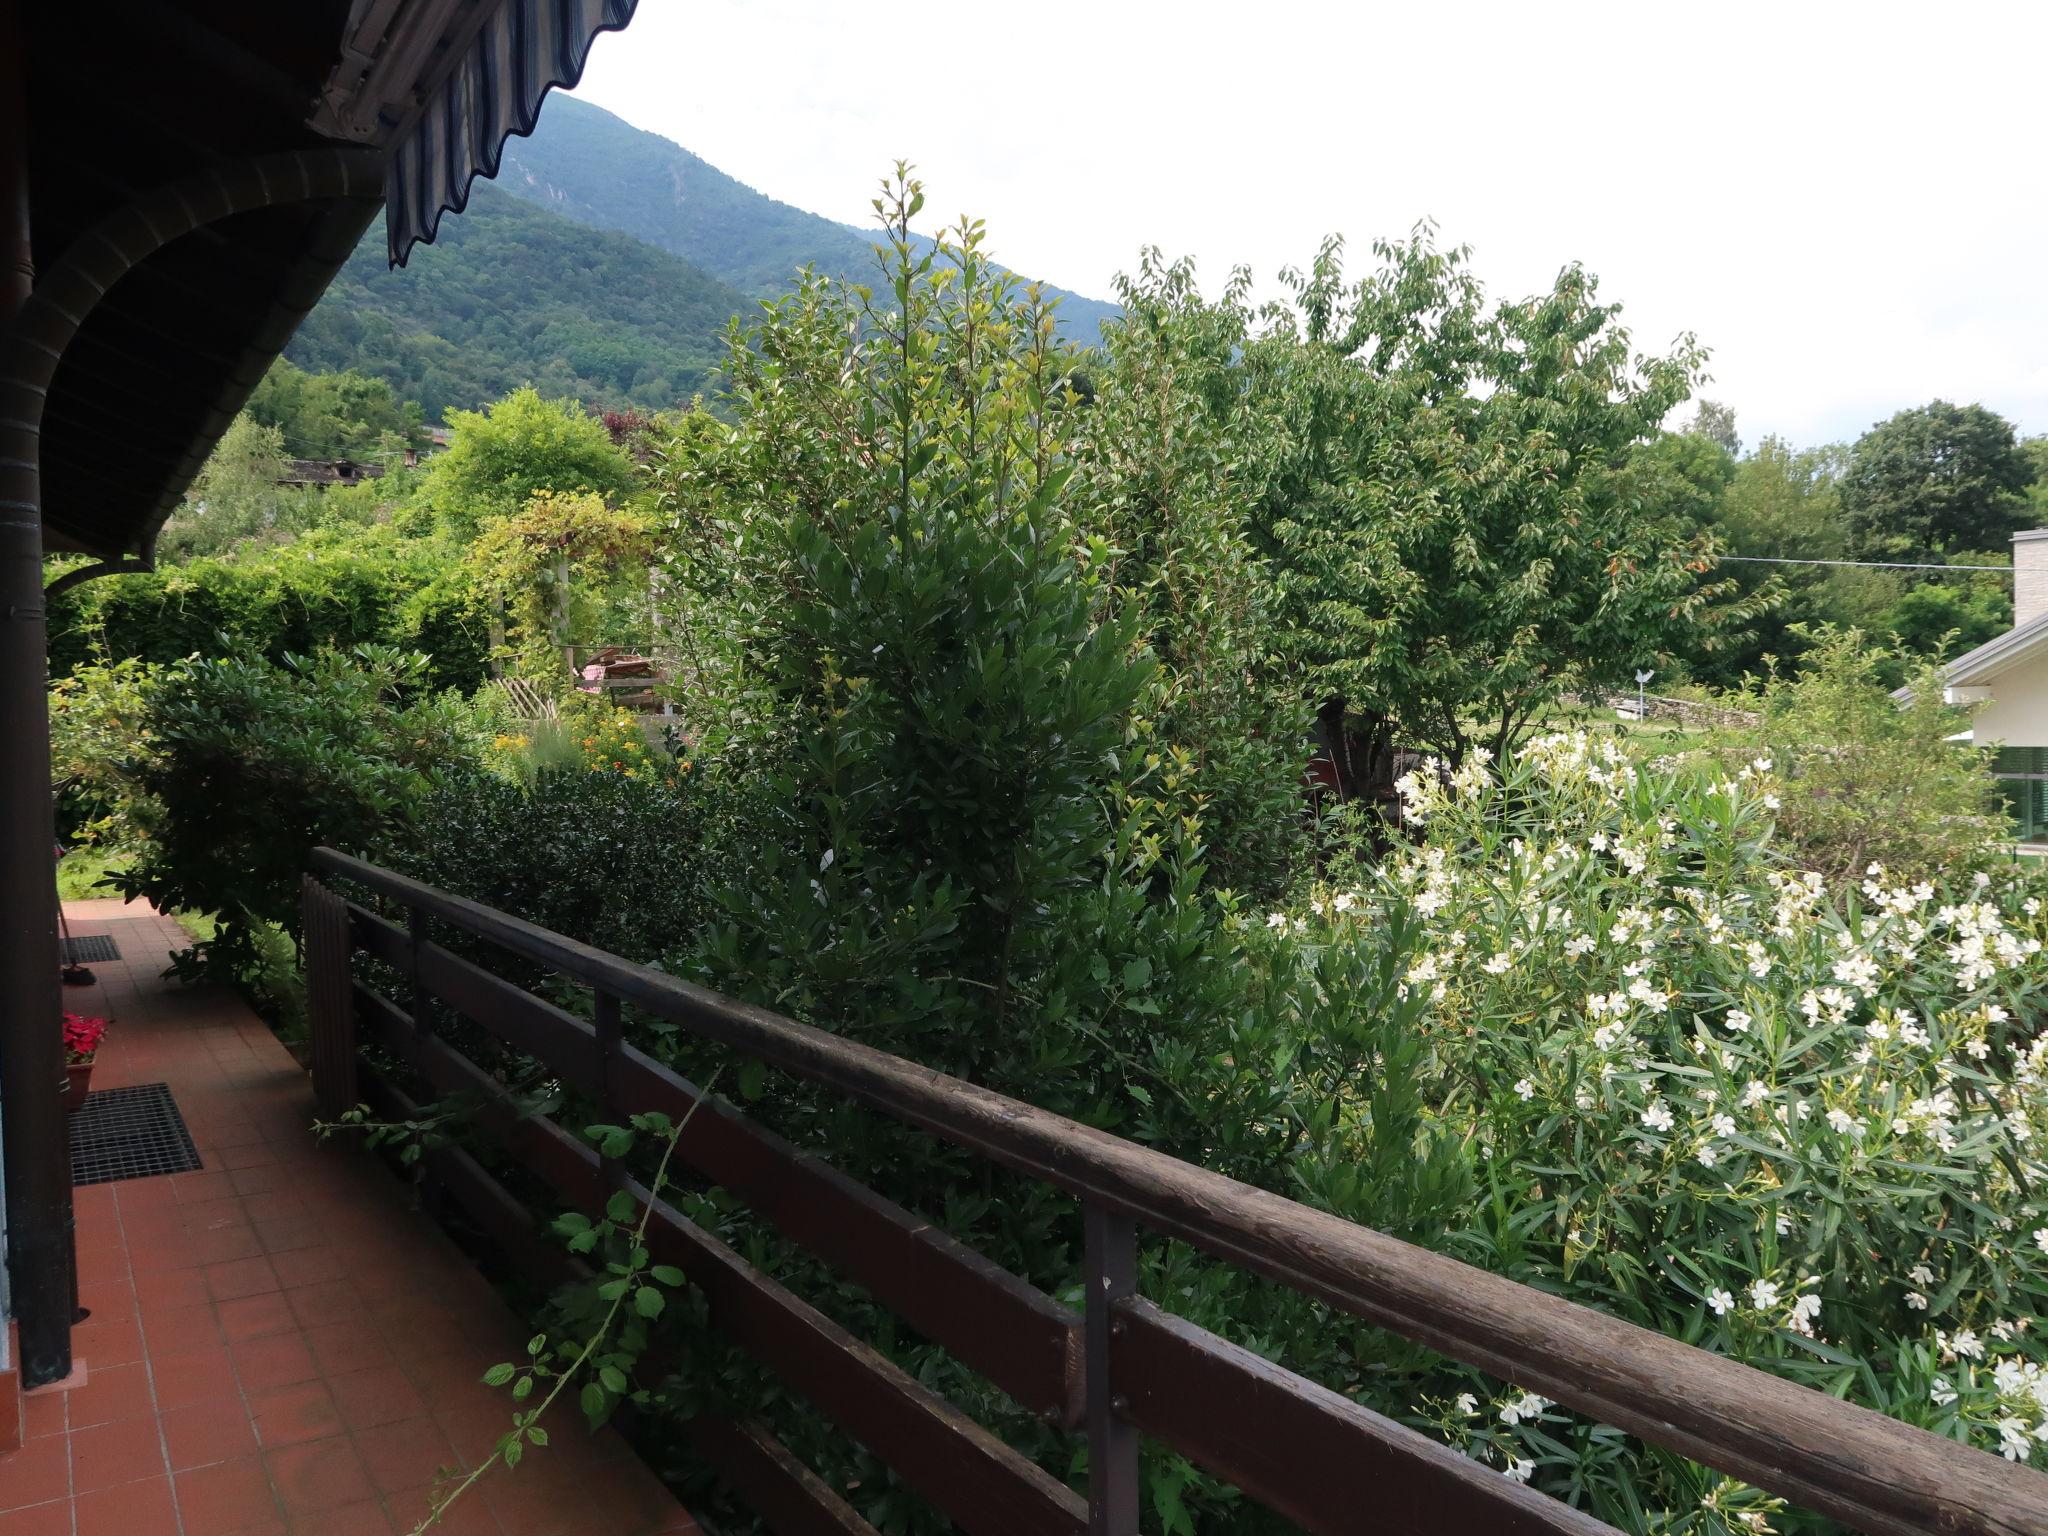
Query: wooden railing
{"points": [[1121, 1368]]}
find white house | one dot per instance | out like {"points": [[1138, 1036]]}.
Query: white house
{"points": [[2007, 680]]}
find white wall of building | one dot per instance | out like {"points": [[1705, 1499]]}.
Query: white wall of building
{"points": [[2017, 715]]}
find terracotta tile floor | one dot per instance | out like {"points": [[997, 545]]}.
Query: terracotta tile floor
{"points": [[277, 1344]]}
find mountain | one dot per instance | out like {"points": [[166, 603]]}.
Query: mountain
{"points": [[601, 171], [603, 264], [511, 294]]}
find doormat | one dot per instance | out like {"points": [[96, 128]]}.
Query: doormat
{"points": [[84, 948], [129, 1133]]}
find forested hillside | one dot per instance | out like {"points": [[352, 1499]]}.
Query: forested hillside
{"points": [[600, 170], [511, 294]]}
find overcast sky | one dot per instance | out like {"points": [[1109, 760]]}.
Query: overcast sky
{"points": [[1843, 201]]}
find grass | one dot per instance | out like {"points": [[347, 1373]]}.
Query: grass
{"points": [[80, 871]]}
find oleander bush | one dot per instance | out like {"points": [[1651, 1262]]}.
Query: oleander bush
{"points": [[1795, 1121]]}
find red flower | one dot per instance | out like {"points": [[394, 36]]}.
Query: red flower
{"points": [[82, 1036]]}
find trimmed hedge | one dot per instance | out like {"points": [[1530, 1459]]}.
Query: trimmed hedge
{"points": [[291, 601]]}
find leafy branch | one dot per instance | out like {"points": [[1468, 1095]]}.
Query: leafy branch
{"points": [[630, 1278]]}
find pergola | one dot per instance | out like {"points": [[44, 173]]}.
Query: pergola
{"points": [[179, 182]]}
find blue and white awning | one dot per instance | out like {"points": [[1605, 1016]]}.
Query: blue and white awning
{"points": [[524, 50], [440, 85]]}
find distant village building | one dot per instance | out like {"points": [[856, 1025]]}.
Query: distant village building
{"points": [[332, 471]]}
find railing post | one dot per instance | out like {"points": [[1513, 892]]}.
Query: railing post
{"points": [[416, 932], [605, 1021], [330, 1004], [1110, 1244]]}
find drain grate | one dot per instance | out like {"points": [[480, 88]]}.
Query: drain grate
{"points": [[129, 1133], [84, 948]]}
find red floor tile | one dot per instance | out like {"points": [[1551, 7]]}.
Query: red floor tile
{"points": [[242, 1277], [469, 1515], [112, 1341], [185, 1331], [306, 1266], [381, 1395], [365, 1519], [208, 1432], [167, 1290], [407, 1454], [228, 1496], [44, 1413], [342, 1348], [115, 1453], [38, 1472], [40, 1520], [132, 1509], [295, 1414], [276, 1361], [316, 1476], [110, 1393], [204, 1376], [256, 1317]]}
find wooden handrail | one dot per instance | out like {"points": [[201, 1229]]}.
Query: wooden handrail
{"points": [[1870, 1471]]}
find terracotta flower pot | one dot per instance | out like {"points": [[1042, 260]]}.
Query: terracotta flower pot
{"points": [[77, 1083]]}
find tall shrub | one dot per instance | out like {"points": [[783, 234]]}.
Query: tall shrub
{"points": [[249, 764]]}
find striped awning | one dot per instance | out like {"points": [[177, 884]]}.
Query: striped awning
{"points": [[522, 50]]}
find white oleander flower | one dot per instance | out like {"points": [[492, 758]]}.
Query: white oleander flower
{"points": [[1763, 1294], [1658, 1116], [1720, 1301], [1525, 1090]]}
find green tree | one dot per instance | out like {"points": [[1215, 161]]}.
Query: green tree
{"points": [[1716, 423], [500, 456], [236, 498], [335, 415], [1457, 531], [1161, 478], [1784, 504], [1934, 481]]}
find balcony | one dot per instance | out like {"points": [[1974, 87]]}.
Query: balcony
{"points": [[279, 1341]]}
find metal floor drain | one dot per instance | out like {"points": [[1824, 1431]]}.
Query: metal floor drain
{"points": [[129, 1133], [84, 948]]}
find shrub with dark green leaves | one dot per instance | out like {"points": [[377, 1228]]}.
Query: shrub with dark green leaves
{"points": [[250, 764], [609, 859]]}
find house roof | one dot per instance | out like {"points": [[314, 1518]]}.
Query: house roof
{"points": [[2022, 644], [129, 96]]}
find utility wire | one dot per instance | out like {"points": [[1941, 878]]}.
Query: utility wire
{"points": [[1876, 565]]}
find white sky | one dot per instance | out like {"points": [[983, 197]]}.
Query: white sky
{"points": [[1843, 201]]}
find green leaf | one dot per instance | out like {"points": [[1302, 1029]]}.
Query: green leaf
{"points": [[649, 1301], [667, 1274], [498, 1375], [753, 1078], [593, 1402], [613, 1378]]}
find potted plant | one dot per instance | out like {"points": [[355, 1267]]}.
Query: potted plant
{"points": [[82, 1036]]}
